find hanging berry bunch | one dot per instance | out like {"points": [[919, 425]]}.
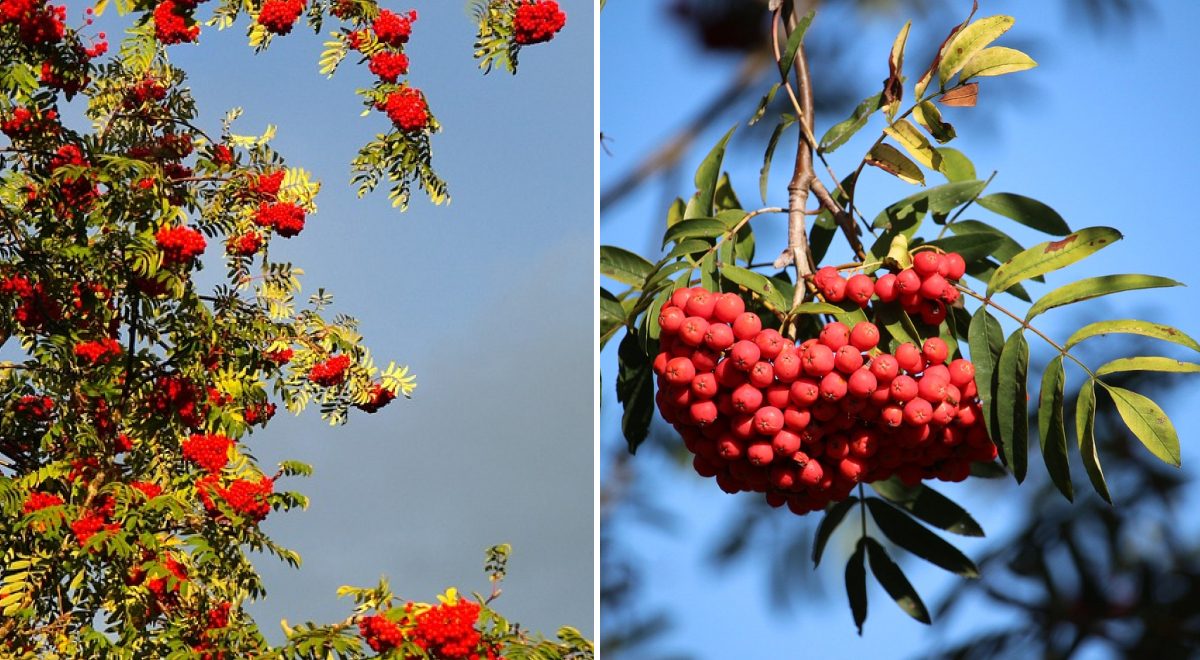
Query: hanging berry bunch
{"points": [[505, 26]]}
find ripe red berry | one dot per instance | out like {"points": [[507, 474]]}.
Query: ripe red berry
{"points": [[834, 290], [885, 288], [859, 289], [704, 358], [693, 330], [795, 419], [719, 336], [918, 412], [885, 367], [835, 335], [961, 372], [903, 388], [744, 355], [847, 359], [933, 312], [909, 357], [680, 371], [864, 336], [932, 286], [926, 263], [747, 398], [778, 396], [768, 420], [728, 375], [680, 297], [747, 326], [729, 307], [935, 350], [862, 383], [953, 266], [787, 366], [908, 281], [892, 416], [704, 386], [818, 360], [770, 343], [833, 386], [762, 374], [701, 303], [703, 412], [932, 389], [785, 443]]}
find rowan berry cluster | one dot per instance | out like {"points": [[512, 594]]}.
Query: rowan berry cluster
{"points": [[24, 123], [407, 109], [806, 423], [37, 500], [209, 451], [174, 23], [94, 521], [279, 16], [330, 372], [248, 497], [537, 21], [446, 631], [98, 352], [179, 245], [36, 308], [175, 394], [34, 408], [286, 218], [393, 29], [244, 245], [37, 23], [388, 66], [380, 397], [149, 489]]}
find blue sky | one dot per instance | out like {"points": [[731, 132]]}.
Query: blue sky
{"points": [[488, 300], [1101, 131]]}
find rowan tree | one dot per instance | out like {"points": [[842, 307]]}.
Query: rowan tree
{"points": [[807, 376], [129, 490]]}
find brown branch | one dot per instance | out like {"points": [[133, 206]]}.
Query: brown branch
{"points": [[803, 174]]}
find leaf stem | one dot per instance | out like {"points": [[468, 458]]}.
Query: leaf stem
{"points": [[1025, 324]]}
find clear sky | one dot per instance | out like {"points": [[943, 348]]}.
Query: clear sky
{"points": [[488, 300], [1102, 130]]}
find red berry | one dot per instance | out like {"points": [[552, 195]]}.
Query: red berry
{"points": [[744, 355], [747, 398], [768, 420], [787, 366], [885, 288], [885, 367], [926, 263], [908, 281], [933, 312], [953, 266], [770, 342], [701, 303], [805, 392], [847, 359], [903, 389], [833, 386], [934, 350], [747, 326], [835, 335], [818, 360], [680, 371], [728, 308], [718, 337], [703, 412], [961, 372], [704, 386], [918, 412], [859, 289], [864, 336], [909, 357], [762, 374], [933, 286], [862, 383], [693, 330]]}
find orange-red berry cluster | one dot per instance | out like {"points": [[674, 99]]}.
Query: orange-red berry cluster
{"points": [[279, 16], [37, 500], [330, 372], [380, 397], [98, 352], [209, 451], [179, 245], [445, 631], [537, 21], [806, 423], [37, 23], [248, 497], [174, 22]]}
